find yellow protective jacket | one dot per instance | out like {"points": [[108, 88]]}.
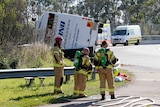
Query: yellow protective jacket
{"points": [[85, 66], [58, 57], [110, 58]]}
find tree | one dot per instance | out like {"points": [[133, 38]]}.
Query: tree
{"points": [[140, 11], [103, 10], [13, 27]]}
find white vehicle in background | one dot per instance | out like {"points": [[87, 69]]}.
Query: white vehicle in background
{"points": [[105, 34], [127, 34], [77, 31]]}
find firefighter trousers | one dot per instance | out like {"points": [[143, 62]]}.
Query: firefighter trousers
{"points": [[59, 73], [106, 75], [79, 83]]}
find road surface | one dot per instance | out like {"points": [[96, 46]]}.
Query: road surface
{"points": [[141, 55]]}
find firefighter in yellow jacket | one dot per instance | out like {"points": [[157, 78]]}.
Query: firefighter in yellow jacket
{"points": [[58, 64], [104, 61], [83, 67]]}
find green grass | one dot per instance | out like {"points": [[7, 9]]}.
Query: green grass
{"points": [[14, 92]]}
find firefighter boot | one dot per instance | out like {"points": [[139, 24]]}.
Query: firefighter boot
{"points": [[103, 96], [113, 96], [82, 95]]}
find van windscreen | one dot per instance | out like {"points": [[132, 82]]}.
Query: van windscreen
{"points": [[120, 32]]}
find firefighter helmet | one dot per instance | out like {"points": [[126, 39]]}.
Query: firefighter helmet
{"points": [[104, 43], [86, 51], [58, 38]]}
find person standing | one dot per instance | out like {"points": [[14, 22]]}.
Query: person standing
{"points": [[104, 61], [83, 67], [58, 64]]}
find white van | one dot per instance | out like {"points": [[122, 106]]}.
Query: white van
{"points": [[127, 34]]}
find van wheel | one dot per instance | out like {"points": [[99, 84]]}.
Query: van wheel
{"points": [[126, 43], [137, 43], [113, 44]]}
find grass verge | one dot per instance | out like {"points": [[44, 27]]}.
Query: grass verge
{"points": [[14, 92]]}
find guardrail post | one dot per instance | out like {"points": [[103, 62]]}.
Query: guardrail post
{"points": [[29, 81], [94, 74], [67, 78]]}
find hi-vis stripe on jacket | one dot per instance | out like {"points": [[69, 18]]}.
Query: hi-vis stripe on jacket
{"points": [[58, 56], [110, 57]]}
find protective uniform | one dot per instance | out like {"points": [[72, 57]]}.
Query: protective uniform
{"points": [[115, 72], [104, 61], [58, 65], [116, 68], [81, 70]]}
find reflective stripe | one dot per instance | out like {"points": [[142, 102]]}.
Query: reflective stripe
{"points": [[111, 90], [81, 92], [82, 72], [76, 91], [57, 65], [102, 89], [57, 89], [109, 66]]}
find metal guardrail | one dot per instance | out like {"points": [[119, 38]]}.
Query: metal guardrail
{"points": [[32, 72], [41, 72], [150, 37]]}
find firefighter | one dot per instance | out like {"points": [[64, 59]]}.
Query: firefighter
{"points": [[104, 61], [83, 67], [58, 64], [116, 68]]}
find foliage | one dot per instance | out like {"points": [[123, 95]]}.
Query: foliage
{"points": [[29, 56], [14, 92], [13, 27], [36, 56], [114, 11], [131, 11], [3, 61], [33, 55]]}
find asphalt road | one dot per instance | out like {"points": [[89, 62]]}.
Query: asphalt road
{"points": [[141, 55]]}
